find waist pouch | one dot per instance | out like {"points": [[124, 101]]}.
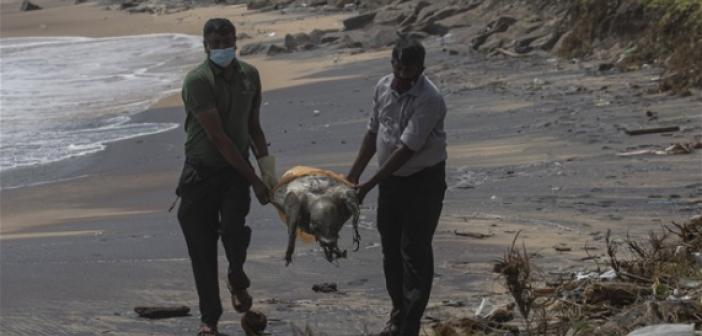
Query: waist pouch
{"points": [[196, 179]]}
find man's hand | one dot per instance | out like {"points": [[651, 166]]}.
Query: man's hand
{"points": [[362, 190], [261, 192], [353, 179]]}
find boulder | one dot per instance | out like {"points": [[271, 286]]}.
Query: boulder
{"points": [[354, 39], [442, 14], [382, 37], [28, 6], [253, 48], [298, 41], [396, 14], [318, 34], [340, 3], [258, 4], [497, 26], [331, 37], [274, 49], [317, 3], [434, 29], [358, 21]]}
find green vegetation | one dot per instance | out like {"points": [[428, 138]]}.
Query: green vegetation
{"points": [[663, 32]]}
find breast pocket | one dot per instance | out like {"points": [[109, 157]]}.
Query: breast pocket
{"points": [[390, 127]]}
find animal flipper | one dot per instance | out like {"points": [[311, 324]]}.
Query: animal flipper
{"points": [[302, 235]]}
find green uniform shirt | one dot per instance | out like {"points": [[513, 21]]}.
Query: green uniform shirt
{"points": [[204, 88]]}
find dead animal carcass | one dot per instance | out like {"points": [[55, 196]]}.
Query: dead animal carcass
{"points": [[318, 203]]}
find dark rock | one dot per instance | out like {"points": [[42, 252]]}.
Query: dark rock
{"points": [[358, 21], [605, 66], [435, 29], [331, 37], [126, 4], [354, 39], [242, 36], [547, 42], [406, 24], [157, 312], [327, 287], [253, 48], [497, 26], [275, 49], [28, 6], [417, 35], [258, 4], [317, 34], [317, 3], [298, 41], [340, 3], [383, 37], [393, 15]]}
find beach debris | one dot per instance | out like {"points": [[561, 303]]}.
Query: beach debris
{"points": [[501, 314], [674, 149], [26, 5], [561, 247], [651, 130], [665, 330], [316, 113], [606, 275], [453, 303], [600, 102], [159, 312], [657, 283], [326, 287], [254, 322], [476, 235]]}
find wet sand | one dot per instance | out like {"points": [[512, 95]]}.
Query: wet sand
{"points": [[78, 255]]}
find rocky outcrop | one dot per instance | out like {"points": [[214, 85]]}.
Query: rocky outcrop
{"points": [[26, 5]]}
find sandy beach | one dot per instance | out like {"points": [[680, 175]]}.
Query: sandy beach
{"points": [[532, 149]]}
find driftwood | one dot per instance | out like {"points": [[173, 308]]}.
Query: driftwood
{"points": [[476, 235], [652, 130], [157, 312]]}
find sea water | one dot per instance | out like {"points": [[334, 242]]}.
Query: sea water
{"points": [[62, 97]]}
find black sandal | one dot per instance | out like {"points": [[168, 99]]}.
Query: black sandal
{"points": [[206, 330]]}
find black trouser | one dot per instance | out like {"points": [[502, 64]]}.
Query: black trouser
{"points": [[408, 212], [214, 204]]}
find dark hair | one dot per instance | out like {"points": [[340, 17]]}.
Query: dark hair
{"points": [[219, 26], [408, 52]]}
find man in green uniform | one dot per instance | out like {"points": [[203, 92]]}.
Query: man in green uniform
{"points": [[222, 98]]}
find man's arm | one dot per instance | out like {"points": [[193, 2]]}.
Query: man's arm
{"points": [[258, 138], [397, 159], [212, 124], [365, 153]]}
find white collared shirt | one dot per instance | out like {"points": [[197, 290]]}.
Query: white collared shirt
{"points": [[414, 118]]}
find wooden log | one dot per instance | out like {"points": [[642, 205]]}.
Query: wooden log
{"points": [[157, 312], [652, 130], [475, 235]]}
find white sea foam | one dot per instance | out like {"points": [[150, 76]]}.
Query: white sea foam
{"points": [[62, 97]]}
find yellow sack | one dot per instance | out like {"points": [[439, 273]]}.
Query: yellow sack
{"points": [[300, 171]]}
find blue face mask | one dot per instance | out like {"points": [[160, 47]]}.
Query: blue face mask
{"points": [[223, 57]]}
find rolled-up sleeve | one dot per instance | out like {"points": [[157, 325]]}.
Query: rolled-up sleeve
{"points": [[373, 123], [427, 115]]}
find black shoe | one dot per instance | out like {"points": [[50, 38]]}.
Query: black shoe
{"points": [[391, 329]]}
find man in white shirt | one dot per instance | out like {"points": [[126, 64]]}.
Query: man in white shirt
{"points": [[406, 129]]}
